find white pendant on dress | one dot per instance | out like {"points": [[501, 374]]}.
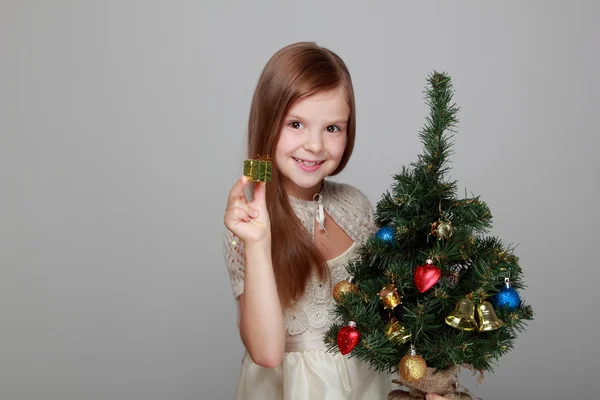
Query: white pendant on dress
{"points": [[320, 215]]}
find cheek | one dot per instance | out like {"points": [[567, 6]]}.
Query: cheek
{"points": [[285, 141], [337, 146], [285, 147], [279, 156]]}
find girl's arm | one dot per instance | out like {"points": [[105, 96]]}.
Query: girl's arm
{"points": [[261, 318]]}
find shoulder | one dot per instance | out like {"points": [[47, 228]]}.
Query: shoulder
{"points": [[350, 201], [351, 209], [349, 195]]}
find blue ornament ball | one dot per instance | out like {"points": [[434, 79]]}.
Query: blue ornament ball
{"points": [[509, 298], [385, 234]]}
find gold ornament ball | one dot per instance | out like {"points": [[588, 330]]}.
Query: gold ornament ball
{"points": [[412, 368], [442, 229], [343, 287]]}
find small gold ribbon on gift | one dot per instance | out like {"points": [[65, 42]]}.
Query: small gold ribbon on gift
{"points": [[258, 169]]}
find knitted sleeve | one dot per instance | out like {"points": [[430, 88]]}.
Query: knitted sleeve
{"points": [[353, 211], [367, 220], [233, 251], [371, 227]]}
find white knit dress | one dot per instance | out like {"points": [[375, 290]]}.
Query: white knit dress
{"points": [[308, 371]]}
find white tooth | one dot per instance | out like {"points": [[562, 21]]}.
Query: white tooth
{"points": [[307, 163]]}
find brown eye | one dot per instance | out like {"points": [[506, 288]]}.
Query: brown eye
{"points": [[295, 124], [333, 128]]}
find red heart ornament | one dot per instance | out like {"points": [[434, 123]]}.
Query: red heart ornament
{"points": [[426, 276], [348, 337]]}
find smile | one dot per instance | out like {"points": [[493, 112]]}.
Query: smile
{"points": [[308, 163]]}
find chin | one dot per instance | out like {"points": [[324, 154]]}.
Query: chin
{"points": [[305, 183]]}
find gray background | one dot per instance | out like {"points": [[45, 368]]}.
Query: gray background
{"points": [[122, 129]]}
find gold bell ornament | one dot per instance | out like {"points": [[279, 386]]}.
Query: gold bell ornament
{"points": [[396, 332], [463, 316], [488, 321]]}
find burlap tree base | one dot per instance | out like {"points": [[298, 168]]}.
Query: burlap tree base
{"points": [[443, 382]]}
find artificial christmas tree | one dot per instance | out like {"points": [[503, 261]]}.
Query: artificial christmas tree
{"points": [[431, 289]]}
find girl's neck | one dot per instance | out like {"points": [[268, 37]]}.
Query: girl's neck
{"points": [[305, 193]]}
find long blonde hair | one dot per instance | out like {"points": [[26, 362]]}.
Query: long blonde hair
{"points": [[296, 71]]}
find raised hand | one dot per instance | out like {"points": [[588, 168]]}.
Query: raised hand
{"points": [[248, 220]]}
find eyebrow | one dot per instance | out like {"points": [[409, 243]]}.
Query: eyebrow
{"points": [[339, 121]]}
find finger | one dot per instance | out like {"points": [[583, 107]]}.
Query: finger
{"points": [[236, 215], [239, 203], [237, 191], [260, 190], [257, 222]]}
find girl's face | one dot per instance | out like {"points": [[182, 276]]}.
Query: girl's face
{"points": [[312, 141]]}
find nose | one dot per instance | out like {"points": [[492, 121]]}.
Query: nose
{"points": [[313, 142]]}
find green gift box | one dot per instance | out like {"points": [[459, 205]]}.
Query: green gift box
{"points": [[258, 170]]}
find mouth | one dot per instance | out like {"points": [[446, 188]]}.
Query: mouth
{"points": [[308, 163]]}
